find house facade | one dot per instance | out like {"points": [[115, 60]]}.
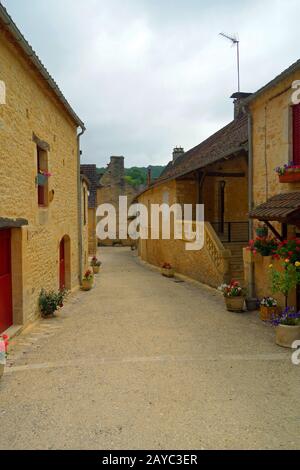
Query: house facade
{"points": [[41, 229], [275, 136], [90, 172], [214, 173]]}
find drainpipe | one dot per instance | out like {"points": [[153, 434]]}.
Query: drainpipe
{"points": [[251, 282], [79, 208]]}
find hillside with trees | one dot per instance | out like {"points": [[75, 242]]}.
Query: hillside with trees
{"points": [[137, 176]]}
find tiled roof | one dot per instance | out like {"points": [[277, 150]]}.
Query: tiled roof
{"points": [[282, 208], [225, 142], [90, 171]]}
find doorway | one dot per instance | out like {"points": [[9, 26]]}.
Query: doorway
{"points": [[6, 310], [62, 270], [65, 263]]}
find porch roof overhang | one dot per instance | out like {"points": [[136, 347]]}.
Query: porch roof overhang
{"points": [[12, 223], [283, 208]]}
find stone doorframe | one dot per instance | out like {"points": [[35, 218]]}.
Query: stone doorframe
{"points": [[17, 265]]}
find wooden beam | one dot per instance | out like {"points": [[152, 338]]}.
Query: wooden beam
{"points": [[273, 230], [225, 175]]}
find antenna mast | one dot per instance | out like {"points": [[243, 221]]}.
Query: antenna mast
{"points": [[236, 42]]}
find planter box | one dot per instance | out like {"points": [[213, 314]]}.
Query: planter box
{"points": [[235, 304], [87, 285], [168, 272], [290, 177], [267, 313], [96, 269], [41, 180], [286, 335]]}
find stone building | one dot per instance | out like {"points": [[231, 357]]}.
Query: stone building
{"points": [[41, 242], [90, 171], [112, 185], [275, 136], [214, 173]]}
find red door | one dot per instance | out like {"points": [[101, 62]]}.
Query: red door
{"points": [[62, 282], [6, 314]]}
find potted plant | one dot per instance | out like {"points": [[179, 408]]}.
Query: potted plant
{"points": [[50, 302], [96, 264], [264, 245], [262, 231], [234, 296], [3, 352], [167, 270], [285, 280], [287, 327], [42, 177], [268, 308], [88, 280]]}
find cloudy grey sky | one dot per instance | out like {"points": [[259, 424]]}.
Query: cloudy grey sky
{"points": [[147, 75]]}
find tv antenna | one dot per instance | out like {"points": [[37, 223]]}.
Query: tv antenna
{"points": [[236, 42]]}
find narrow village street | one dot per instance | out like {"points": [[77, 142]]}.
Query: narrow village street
{"points": [[148, 362]]}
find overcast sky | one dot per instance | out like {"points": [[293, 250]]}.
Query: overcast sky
{"points": [[147, 75]]}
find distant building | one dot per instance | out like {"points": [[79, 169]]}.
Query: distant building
{"points": [[90, 171], [112, 185]]}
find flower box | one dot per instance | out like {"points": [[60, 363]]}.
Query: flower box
{"points": [[41, 180], [290, 177]]}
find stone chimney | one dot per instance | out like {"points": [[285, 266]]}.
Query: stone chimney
{"points": [[117, 169], [238, 102], [177, 152], [149, 175]]}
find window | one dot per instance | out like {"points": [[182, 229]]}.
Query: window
{"points": [[296, 134], [42, 186]]}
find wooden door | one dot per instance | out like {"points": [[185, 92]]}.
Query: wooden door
{"points": [[62, 280], [6, 313]]}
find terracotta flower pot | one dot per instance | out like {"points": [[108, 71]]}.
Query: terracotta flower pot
{"points": [[235, 304], [96, 269], [290, 177], [168, 272], [286, 335], [267, 313], [87, 284]]}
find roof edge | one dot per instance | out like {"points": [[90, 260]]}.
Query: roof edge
{"points": [[30, 53], [291, 69]]}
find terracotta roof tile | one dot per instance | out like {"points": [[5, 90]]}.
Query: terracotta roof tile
{"points": [[283, 208]]}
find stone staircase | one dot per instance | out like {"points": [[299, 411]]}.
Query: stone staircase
{"points": [[236, 260]]}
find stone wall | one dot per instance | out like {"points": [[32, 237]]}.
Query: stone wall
{"points": [[31, 107], [209, 265]]}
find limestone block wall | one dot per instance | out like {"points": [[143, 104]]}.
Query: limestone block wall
{"points": [[272, 139], [209, 265], [272, 144], [32, 108]]}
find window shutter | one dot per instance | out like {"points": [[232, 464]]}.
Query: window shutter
{"points": [[296, 134]]}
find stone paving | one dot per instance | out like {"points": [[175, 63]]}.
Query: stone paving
{"points": [[145, 362]]}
